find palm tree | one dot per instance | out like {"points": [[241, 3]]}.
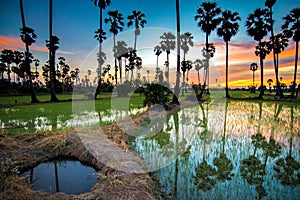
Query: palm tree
{"points": [[270, 4], [208, 20], [253, 68], [229, 28], [116, 24], [176, 89], [102, 4], [257, 26], [136, 19], [119, 51], [270, 81], [167, 44], [51, 45], [28, 37], [3, 69], [291, 27], [198, 65], [186, 40], [158, 51], [7, 57]]}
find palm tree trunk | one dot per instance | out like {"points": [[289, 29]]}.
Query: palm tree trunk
{"points": [[207, 71], [32, 93], [135, 39], [176, 90], [120, 67], [261, 73], [198, 76], [99, 63], [116, 68], [295, 71], [157, 62], [183, 82], [51, 61], [227, 92], [168, 67]]}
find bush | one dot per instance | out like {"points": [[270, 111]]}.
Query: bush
{"points": [[156, 94]]}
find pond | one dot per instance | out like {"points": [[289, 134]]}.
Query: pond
{"points": [[62, 175], [226, 150]]}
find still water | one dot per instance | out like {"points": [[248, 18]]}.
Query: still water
{"points": [[226, 150], [68, 176]]}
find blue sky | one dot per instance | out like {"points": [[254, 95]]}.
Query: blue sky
{"points": [[74, 22]]}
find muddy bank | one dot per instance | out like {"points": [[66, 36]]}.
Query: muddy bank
{"points": [[18, 153]]}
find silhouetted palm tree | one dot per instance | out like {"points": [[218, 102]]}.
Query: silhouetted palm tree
{"points": [[208, 20], [176, 89], [229, 27], [116, 24], [51, 56], [270, 4], [119, 51], [167, 44], [3, 69], [136, 19], [198, 66], [28, 37], [291, 27], [102, 4], [257, 26], [7, 57], [186, 40], [158, 51]]}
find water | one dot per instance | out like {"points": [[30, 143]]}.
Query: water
{"points": [[227, 150], [68, 176]]}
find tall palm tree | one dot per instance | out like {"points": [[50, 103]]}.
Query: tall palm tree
{"points": [[102, 4], [270, 4], [51, 50], [7, 57], [208, 20], [119, 52], [186, 41], [167, 44], [158, 51], [291, 27], [258, 27], [229, 27], [116, 24], [198, 66], [136, 19], [176, 89], [28, 37]]}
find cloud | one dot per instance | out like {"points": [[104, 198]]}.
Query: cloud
{"points": [[14, 43]]}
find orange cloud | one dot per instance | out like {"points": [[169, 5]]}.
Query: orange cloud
{"points": [[14, 43]]}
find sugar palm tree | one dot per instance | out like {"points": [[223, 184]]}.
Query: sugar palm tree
{"points": [[198, 66], [269, 4], [208, 20], [51, 47], [3, 69], [7, 57], [186, 41], [158, 51], [229, 27], [116, 25], [167, 44], [291, 27], [119, 52], [270, 81], [28, 37], [137, 20], [176, 89], [102, 4], [257, 26]]}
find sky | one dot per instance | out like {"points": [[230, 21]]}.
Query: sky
{"points": [[75, 22]]}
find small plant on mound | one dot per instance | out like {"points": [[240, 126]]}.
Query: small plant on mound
{"points": [[157, 94]]}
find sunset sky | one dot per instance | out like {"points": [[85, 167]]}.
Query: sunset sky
{"points": [[75, 22]]}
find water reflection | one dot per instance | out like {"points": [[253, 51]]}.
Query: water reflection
{"points": [[44, 120], [229, 150]]}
